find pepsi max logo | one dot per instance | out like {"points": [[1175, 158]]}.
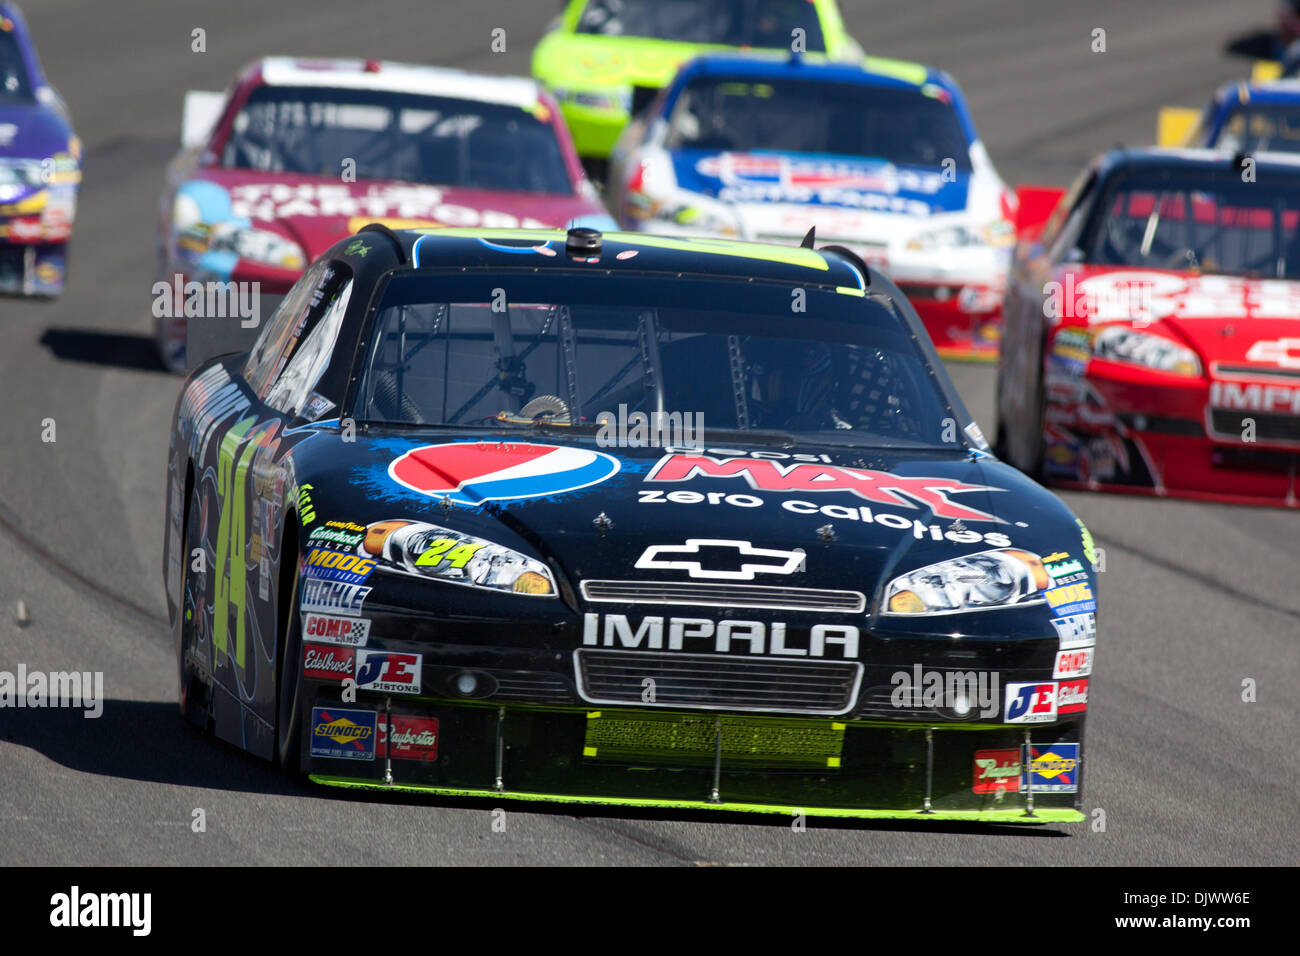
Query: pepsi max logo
{"points": [[470, 473]]}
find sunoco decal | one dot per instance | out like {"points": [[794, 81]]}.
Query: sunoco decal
{"points": [[1054, 768], [343, 734]]}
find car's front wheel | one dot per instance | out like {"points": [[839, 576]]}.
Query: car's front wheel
{"points": [[288, 718], [192, 695]]}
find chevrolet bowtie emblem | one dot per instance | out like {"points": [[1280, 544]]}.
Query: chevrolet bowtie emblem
{"points": [[687, 557]]}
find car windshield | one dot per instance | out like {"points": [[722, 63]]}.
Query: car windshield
{"points": [[1218, 224], [570, 351], [903, 126], [15, 84], [767, 24], [1262, 127], [399, 136]]}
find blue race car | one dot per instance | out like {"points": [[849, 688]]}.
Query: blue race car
{"points": [[881, 157], [40, 168], [1243, 117]]}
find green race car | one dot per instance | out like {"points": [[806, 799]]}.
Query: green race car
{"points": [[604, 60]]}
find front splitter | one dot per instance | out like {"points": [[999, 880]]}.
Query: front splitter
{"points": [[1014, 815]]}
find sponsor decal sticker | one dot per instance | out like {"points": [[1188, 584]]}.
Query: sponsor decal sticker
{"points": [[336, 536], [881, 487], [1054, 768], [1071, 599], [326, 663], [1072, 697], [332, 565], [1073, 663], [1031, 703], [471, 473], [1076, 630], [413, 738], [997, 771], [328, 629], [1061, 569], [332, 597], [343, 734], [390, 672]]}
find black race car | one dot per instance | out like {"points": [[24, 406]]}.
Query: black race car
{"points": [[622, 519]]}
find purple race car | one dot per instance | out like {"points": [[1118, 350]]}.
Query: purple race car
{"points": [[40, 168]]}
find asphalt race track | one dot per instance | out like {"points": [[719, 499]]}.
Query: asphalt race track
{"points": [[1195, 598]]}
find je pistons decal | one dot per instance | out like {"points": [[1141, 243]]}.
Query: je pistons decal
{"points": [[470, 473], [881, 487], [388, 671]]}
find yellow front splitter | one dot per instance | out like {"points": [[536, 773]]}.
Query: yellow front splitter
{"points": [[1012, 815]]}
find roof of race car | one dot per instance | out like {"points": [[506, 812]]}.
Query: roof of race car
{"points": [[12, 22], [355, 74], [634, 252], [871, 71], [1270, 91], [1183, 159], [874, 71]]}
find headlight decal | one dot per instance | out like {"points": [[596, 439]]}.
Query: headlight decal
{"points": [[1121, 343], [430, 551], [1006, 577]]}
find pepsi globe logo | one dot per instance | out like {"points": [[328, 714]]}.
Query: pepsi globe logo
{"points": [[470, 473]]}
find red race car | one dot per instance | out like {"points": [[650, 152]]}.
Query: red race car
{"points": [[1152, 328], [300, 153]]}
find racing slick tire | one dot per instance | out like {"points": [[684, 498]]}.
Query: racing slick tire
{"points": [[192, 694], [288, 693]]}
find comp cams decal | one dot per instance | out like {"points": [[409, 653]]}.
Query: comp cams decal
{"points": [[328, 629]]}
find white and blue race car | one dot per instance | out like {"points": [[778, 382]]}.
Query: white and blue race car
{"points": [[882, 158]]}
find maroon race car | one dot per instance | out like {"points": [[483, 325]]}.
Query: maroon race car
{"points": [[300, 153]]}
